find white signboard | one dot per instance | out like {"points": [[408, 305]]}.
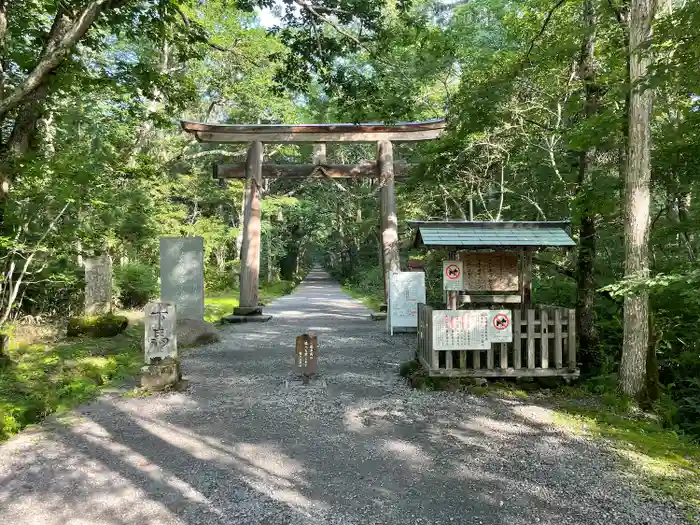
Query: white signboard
{"points": [[452, 275], [460, 330], [406, 290], [500, 326]]}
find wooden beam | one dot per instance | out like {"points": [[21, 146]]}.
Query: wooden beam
{"points": [[250, 251], [489, 299], [508, 372], [315, 133], [302, 171]]}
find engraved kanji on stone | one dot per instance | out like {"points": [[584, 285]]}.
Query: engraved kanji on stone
{"points": [[160, 338]]}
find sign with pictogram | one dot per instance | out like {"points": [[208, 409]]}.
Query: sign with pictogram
{"points": [[500, 326], [452, 275]]}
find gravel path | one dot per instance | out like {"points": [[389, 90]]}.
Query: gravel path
{"points": [[240, 447]]}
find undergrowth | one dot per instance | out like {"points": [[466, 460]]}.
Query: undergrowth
{"points": [[369, 297], [222, 303], [55, 375], [41, 379]]}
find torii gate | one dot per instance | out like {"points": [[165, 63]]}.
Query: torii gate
{"points": [[254, 170]]}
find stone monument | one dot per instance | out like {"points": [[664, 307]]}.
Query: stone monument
{"points": [[182, 275], [160, 347], [98, 285], [182, 283]]}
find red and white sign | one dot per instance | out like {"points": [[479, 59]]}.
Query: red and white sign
{"points": [[500, 326], [500, 322], [452, 275]]}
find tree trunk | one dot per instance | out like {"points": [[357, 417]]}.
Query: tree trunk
{"points": [[637, 201], [585, 278]]}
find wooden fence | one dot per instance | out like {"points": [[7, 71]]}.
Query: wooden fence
{"points": [[544, 344]]}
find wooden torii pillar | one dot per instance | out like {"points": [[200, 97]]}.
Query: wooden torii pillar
{"points": [[387, 207], [254, 170], [250, 249]]}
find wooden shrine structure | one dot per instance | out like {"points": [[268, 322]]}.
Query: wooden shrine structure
{"points": [[495, 260], [254, 170]]}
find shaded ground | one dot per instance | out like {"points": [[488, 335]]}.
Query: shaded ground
{"points": [[357, 448]]}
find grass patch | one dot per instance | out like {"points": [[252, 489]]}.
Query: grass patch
{"points": [[372, 299], [219, 304], [41, 379], [57, 374], [668, 462], [270, 292]]}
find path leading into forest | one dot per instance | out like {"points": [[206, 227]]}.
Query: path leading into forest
{"points": [[238, 447]]}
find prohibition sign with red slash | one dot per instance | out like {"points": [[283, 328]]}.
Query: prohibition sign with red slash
{"points": [[452, 272], [501, 322]]}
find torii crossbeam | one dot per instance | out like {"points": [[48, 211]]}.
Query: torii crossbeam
{"points": [[319, 134]]}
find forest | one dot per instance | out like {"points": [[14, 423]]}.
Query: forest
{"points": [[580, 110]]}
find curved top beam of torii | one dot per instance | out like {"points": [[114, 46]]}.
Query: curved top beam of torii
{"points": [[279, 133]]}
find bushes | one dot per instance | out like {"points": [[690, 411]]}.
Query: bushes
{"points": [[136, 284], [55, 291], [218, 280], [107, 325], [43, 379]]}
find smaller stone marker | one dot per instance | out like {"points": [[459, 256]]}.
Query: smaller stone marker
{"points": [[160, 336], [306, 356], [98, 285], [160, 347]]}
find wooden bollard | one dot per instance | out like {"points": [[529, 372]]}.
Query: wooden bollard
{"points": [[306, 356]]}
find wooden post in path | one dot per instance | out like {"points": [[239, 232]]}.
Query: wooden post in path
{"points": [[389, 222], [250, 251]]}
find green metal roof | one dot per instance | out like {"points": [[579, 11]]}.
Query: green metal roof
{"points": [[483, 234]]}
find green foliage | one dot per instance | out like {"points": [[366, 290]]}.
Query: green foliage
{"points": [[136, 284], [54, 291], [43, 379], [408, 368], [219, 280], [668, 462], [367, 286], [107, 325], [222, 302]]}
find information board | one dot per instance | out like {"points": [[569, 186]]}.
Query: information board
{"points": [[490, 272], [452, 275], [460, 330], [406, 290]]}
